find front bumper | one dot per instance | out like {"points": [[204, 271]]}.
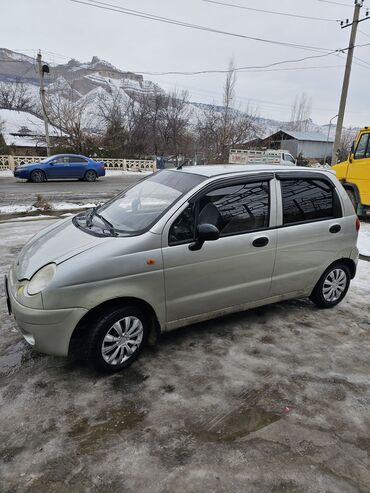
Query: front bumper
{"points": [[48, 331]]}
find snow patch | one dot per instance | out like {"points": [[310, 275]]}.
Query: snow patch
{"points": [[363, 242]]}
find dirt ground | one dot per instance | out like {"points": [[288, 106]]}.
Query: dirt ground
{"points": [[275, 399]]}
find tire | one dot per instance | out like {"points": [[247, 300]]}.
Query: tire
{"points": [[352, 198], [104, 339], [90, 175], [37, 176], [337, 275]]}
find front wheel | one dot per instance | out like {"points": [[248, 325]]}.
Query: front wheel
{"points": [[37, 176], [332, 286], [117, 339], [90, 175]]}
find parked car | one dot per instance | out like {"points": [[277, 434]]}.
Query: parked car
{"points": [[179, 247], [60, 167]]}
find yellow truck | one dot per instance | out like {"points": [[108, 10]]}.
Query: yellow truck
{"points": [[355, 172]]}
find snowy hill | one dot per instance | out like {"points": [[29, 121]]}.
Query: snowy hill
{"points": [[88, 82]]}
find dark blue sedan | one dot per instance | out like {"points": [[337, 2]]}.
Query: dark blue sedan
{"points": [[61, 166]]}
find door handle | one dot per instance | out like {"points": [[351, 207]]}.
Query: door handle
{"points": [[335, 228], [261, 241]]}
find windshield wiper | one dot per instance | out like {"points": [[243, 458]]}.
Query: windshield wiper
{"points": [[93, 213]]}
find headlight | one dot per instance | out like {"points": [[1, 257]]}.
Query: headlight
{"points": [[41, 279]]}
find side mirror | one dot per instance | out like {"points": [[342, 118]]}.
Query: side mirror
{"points": [[205, 232], [51, 163]]}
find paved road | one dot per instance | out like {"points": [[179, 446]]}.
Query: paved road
{"points": [[14, 191]]}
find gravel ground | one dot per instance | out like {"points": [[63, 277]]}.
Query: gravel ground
{"points": [[275, 399]]}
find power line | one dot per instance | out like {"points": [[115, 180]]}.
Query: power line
{"points": [[365, 34], [335, 3], [224, 71], [145, 15], [287, 14]]}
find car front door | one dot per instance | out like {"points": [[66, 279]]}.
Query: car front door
{"points": [[58, 168], [227, 273], [77, 166], [312, 230]]}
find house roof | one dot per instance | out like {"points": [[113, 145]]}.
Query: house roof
{"points": [[23, 129], [311, 136]]}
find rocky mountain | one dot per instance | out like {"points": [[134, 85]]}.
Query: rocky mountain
{"points": [[88, 81]]}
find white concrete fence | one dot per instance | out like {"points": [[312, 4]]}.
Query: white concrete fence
{"points": [[9, 162]]}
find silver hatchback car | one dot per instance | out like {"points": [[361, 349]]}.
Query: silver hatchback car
{"points": [[179, 247]]}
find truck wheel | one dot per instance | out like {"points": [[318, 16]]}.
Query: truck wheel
{"points": [[117, 338], [358, 209], [352, 198]]}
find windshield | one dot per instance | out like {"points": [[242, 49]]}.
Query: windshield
{"points": [[139, 207]]}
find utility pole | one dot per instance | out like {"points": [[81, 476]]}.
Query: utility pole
{"points": [[42, 70], [347, 74]]}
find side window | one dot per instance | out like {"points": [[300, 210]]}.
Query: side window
{"points": [[59, 160], [76, 159], [308, 200], [237, 208], [288, 157], [363, 148], [183, 227]]}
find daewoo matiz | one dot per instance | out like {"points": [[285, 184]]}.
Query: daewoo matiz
{"points": [[179, 247]]}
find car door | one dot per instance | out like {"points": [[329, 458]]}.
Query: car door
{"points": [[58, 168], [359, 168], [232, 271], [311, 231], [77, 166]]}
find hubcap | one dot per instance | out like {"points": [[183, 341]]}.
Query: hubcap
{"points": [[334, 285], [122, 340]]}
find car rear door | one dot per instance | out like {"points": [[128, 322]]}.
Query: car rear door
{"points": [[232, 271], [77, 166], [311, 233]]}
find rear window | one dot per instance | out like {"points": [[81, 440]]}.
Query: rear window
{"points": [[308, 200]]}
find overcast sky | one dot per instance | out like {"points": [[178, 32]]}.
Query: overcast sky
{"points": [[132, 43]]}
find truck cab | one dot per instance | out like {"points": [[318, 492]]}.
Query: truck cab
{"points": [[354, 173]]}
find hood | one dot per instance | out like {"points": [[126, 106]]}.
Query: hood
{"points": [[56, 243]]}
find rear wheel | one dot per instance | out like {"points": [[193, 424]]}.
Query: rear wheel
{"points": [[332, 286], [352, 198], [117, 339], [37, 176], [90, 175]]}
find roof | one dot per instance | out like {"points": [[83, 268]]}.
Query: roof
{"points": [[226, 169], [23, 129], [311, 136]]}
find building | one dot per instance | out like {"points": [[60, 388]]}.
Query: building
{"points": [[24, 133], [311, 145]]}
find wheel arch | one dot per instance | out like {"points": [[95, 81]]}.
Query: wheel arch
{"points": [[353, 188], [83, 325]]}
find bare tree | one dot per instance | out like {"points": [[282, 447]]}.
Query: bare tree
{"points": [[348, 135], [15, 96], [176, 124], [300, 113], [218, 130], [67, 116]]}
